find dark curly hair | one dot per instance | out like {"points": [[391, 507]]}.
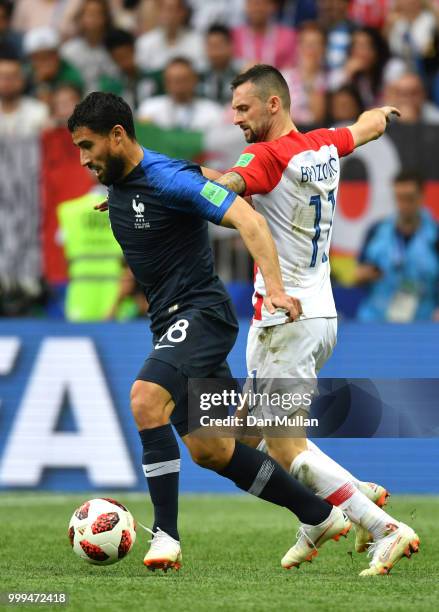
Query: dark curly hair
{"points": [[100, 112]]}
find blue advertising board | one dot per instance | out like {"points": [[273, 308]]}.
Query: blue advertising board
{"points": [[65, 421]]}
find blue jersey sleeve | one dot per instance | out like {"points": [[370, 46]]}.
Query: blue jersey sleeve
{"points": [[181, 186]]}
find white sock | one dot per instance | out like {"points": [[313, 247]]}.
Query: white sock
{"points": [[361, 510], [365, 487], [328, 480], [336, 466]]}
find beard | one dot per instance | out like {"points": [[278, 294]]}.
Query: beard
{"points": [[113, 172], [257, 133], [250, 136]]}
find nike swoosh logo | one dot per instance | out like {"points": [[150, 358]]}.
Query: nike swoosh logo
{"points": [[385, 556], [154, 470], [321, 535], [159, 346], [165, 467]]}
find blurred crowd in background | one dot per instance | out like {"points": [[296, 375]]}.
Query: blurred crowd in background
{"points": [[172, 61]]}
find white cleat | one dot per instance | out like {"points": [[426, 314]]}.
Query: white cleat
{"points": [[164, 553], [311, 537], [375, 492], [379, 496], [387, 551]]}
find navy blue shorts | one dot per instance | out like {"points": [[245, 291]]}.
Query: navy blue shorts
{"points": [[195, 344]]}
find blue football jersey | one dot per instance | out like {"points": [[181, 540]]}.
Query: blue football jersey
{"points": [[159, 215]]}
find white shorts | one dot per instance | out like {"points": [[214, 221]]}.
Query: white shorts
{"points": [[296, 351]]}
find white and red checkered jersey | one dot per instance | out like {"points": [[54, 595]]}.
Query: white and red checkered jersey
{"points": [[293, 182]]}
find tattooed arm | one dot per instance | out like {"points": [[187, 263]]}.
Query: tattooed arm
{"points": [[231, 180]]}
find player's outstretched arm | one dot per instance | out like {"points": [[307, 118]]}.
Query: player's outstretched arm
{"points": [[372, 124], [256, 235]]}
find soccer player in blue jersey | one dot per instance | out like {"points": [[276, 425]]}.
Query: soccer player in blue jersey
{"points": [[159, 209]]}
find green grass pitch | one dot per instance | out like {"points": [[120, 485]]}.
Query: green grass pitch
{"points": [[232, 546]]}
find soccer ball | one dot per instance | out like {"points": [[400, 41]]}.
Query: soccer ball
{"points": [[102, 531]]}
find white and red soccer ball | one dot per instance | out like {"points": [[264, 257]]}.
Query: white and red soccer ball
{"points": [[102, 531]]}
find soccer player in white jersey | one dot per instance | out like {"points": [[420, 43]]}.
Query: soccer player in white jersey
{"points": [[293, 180]]}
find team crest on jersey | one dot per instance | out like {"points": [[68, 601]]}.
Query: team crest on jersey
{"points": [[139, 220]]}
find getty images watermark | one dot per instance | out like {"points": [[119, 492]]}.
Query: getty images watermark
{"points": [[329, 407], [257, 409], [237, 408]]}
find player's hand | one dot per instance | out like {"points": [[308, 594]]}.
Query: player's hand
{"points": [[291, 305], [102, 207], [390, 112]]}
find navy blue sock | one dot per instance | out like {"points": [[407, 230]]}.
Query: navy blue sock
{"points": [[161, 466], [258, 474]]}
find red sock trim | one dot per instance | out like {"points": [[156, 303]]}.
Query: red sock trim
{"points": [[342, 494]]}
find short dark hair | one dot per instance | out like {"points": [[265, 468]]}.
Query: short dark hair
{"points": [[100, 112], [118, 38], [180, 59], [268, 80], [8, 7], [409, 175], [219, 28]]}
